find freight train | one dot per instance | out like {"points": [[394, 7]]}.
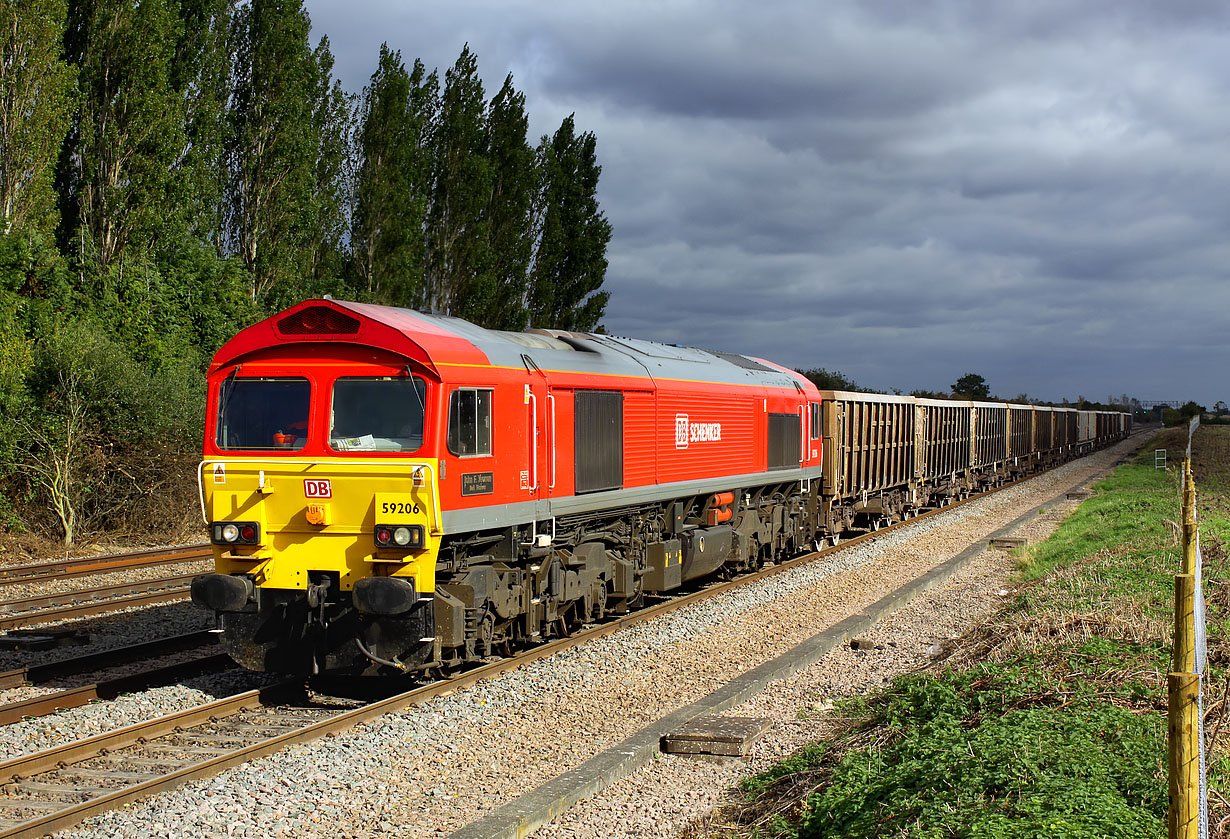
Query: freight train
{"points": [[388, 491]]}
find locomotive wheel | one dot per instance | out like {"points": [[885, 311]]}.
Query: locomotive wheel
{"points": [[484, 636], [599, 610]]}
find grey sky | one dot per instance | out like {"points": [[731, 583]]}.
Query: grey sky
{"points": [[901, 191]]}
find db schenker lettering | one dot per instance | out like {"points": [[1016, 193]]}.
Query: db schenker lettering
{"points": [[701, 432]]}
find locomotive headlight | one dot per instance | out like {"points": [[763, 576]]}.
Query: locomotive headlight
{"points": [[235, 533], [399, 535]]}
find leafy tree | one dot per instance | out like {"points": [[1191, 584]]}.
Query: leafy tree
{"points": [[274, 145], [1219, 407], [457, 238], [830, 380], [35, 107], [331, 130], [570, 260], [971, 386], [386, 238], [130, 129], [200, 76], [496, 298]]}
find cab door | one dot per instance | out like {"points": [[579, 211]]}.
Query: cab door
{"points": [[539, 477]]}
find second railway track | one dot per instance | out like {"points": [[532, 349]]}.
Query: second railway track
{"points": [[27, 611], [63, 569], [28, 601]]}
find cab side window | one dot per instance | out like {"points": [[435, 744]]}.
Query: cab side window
{"points": [[815, 420], [469, 422]]}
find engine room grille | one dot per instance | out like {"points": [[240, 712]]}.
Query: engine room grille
{"points": [[318, 320], [599, 437], [785, 446]]}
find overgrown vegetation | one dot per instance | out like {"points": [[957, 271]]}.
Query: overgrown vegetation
{"points": [[171, 171], [1049, 720]]}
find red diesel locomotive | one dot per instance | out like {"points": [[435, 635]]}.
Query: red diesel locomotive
{"points": [[394, 491]]}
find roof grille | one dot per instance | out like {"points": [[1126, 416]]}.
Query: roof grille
{"points": [[318, 320]]}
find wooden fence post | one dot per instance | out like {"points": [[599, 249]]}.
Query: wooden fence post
{"points": [[1183, 819], [1184, 626], [1183, 685]]}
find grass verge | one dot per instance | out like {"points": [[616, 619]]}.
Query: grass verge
{"points": [[1049, 720]]}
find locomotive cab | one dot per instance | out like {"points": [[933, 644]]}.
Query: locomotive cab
{"points": [[319, 490]]}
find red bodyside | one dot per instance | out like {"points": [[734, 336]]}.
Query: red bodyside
{"points": [[730, 419]]}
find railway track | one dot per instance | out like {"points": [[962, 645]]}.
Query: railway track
{"points": [[97, 600], [58, 787], [93, 662], [83, 602], [63, 569], [204, 660]]}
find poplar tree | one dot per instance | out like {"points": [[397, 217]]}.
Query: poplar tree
{"points": [[570, 259], [272, 150], [456, 228], [333, 185], [35, 109], [496, 299], [130, 130], [394, 119], [200, 76]]}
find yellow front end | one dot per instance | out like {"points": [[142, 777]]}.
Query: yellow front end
{"points": [[321, 516], [285, 603]]}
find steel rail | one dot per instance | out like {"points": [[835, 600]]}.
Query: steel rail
{"points": [[77, 665], [62, 569], [66, 598], [52, 759], [41, 706], [97, 607]]}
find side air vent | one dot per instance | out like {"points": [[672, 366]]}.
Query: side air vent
{"points": [[318, 320]]}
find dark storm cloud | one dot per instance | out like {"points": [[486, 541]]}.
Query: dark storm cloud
{"points": [[903, 191]]}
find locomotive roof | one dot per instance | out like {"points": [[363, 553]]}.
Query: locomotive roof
{"points": [[442, 341]]}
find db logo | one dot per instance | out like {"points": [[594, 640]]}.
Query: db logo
{"points": [[681, 431], [317, 489]]}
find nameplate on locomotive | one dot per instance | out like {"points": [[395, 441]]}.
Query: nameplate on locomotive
{"points": [[478, 483]]}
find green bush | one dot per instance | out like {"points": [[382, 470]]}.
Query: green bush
{"points": [[987, 753]]}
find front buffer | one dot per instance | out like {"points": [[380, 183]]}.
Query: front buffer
{"points": [[322, 567], [381, 626]]}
